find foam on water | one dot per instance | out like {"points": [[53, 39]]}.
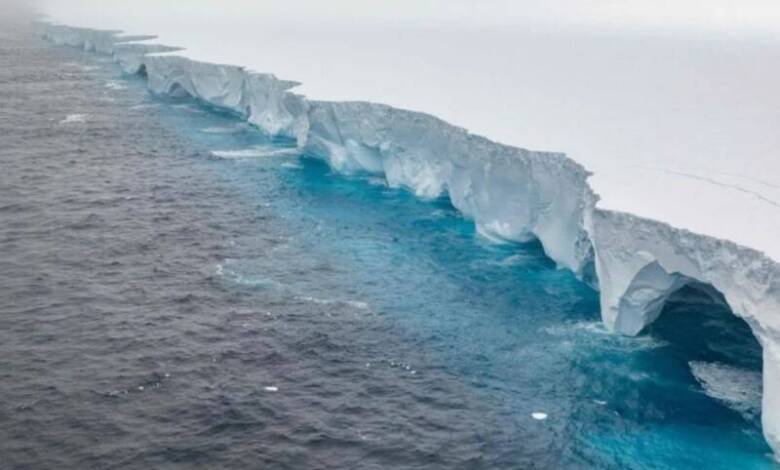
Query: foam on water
{"points": [[352, 303], [739, 389], [245, 280], [292, 166], [221, 130], [115, 85]]}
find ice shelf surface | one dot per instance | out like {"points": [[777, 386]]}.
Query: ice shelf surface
{"points": [[679, 133]]}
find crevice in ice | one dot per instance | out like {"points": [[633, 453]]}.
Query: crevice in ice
{"points": [[752, 179], [722, 184], [177, 91]]}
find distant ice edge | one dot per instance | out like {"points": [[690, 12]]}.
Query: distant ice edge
{"points": [[511, 193]]}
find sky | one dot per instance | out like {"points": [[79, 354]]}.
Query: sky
{"points": [[750, 17]]}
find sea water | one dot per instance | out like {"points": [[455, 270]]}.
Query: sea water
{"points": [[179, 291]]}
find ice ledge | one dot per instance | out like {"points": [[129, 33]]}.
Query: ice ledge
{"points": [[511, 193]]}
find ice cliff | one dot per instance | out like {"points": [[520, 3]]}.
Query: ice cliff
{"points": [[511, 193]]}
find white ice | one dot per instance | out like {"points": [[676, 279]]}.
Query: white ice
{"points": [[71, 118], [255, 152]]}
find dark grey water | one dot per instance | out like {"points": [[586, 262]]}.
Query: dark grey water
{"points": [[163, 308]]}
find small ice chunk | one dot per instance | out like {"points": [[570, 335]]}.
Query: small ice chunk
{"points": [[71, 118], [538, 415], [221, 130], [257, 152], [271, 389]]}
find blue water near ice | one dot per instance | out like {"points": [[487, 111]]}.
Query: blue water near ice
{"points": [[165, 308]]}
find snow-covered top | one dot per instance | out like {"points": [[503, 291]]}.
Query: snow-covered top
{"points": [[676, 126]]}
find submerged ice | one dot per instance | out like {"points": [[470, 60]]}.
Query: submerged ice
{"points": [[512, 194]]}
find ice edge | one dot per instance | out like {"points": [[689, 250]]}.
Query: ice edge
{"points": [[511, 193]]}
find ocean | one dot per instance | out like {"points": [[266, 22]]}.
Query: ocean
{"points": [[178, 290]]}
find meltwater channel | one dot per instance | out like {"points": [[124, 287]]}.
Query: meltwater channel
{"points": [[178, 291]]}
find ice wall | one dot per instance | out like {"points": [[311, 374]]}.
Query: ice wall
{"points": [[511, 193], [641, 262]]}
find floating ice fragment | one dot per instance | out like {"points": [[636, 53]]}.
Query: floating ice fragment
{"points": [[538, 415], [221, 130], [71, 118], [271, 389], [256, 152]]}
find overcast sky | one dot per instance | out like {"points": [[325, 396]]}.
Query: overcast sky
{"points": [[754, 17]]}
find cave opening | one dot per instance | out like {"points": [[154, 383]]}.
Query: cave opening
{"points": [[711, 354], [178, 91], [698, 323]]}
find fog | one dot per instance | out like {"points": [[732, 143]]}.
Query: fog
{"points": [[747, 17], [18, 9]]}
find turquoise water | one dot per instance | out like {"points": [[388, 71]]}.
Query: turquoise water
{"points": [[205, 312]]}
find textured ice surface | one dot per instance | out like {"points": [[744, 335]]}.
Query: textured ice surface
{"points": [[511, 193]]}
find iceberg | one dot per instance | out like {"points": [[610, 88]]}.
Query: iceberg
{"points": [[511, 193]]}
